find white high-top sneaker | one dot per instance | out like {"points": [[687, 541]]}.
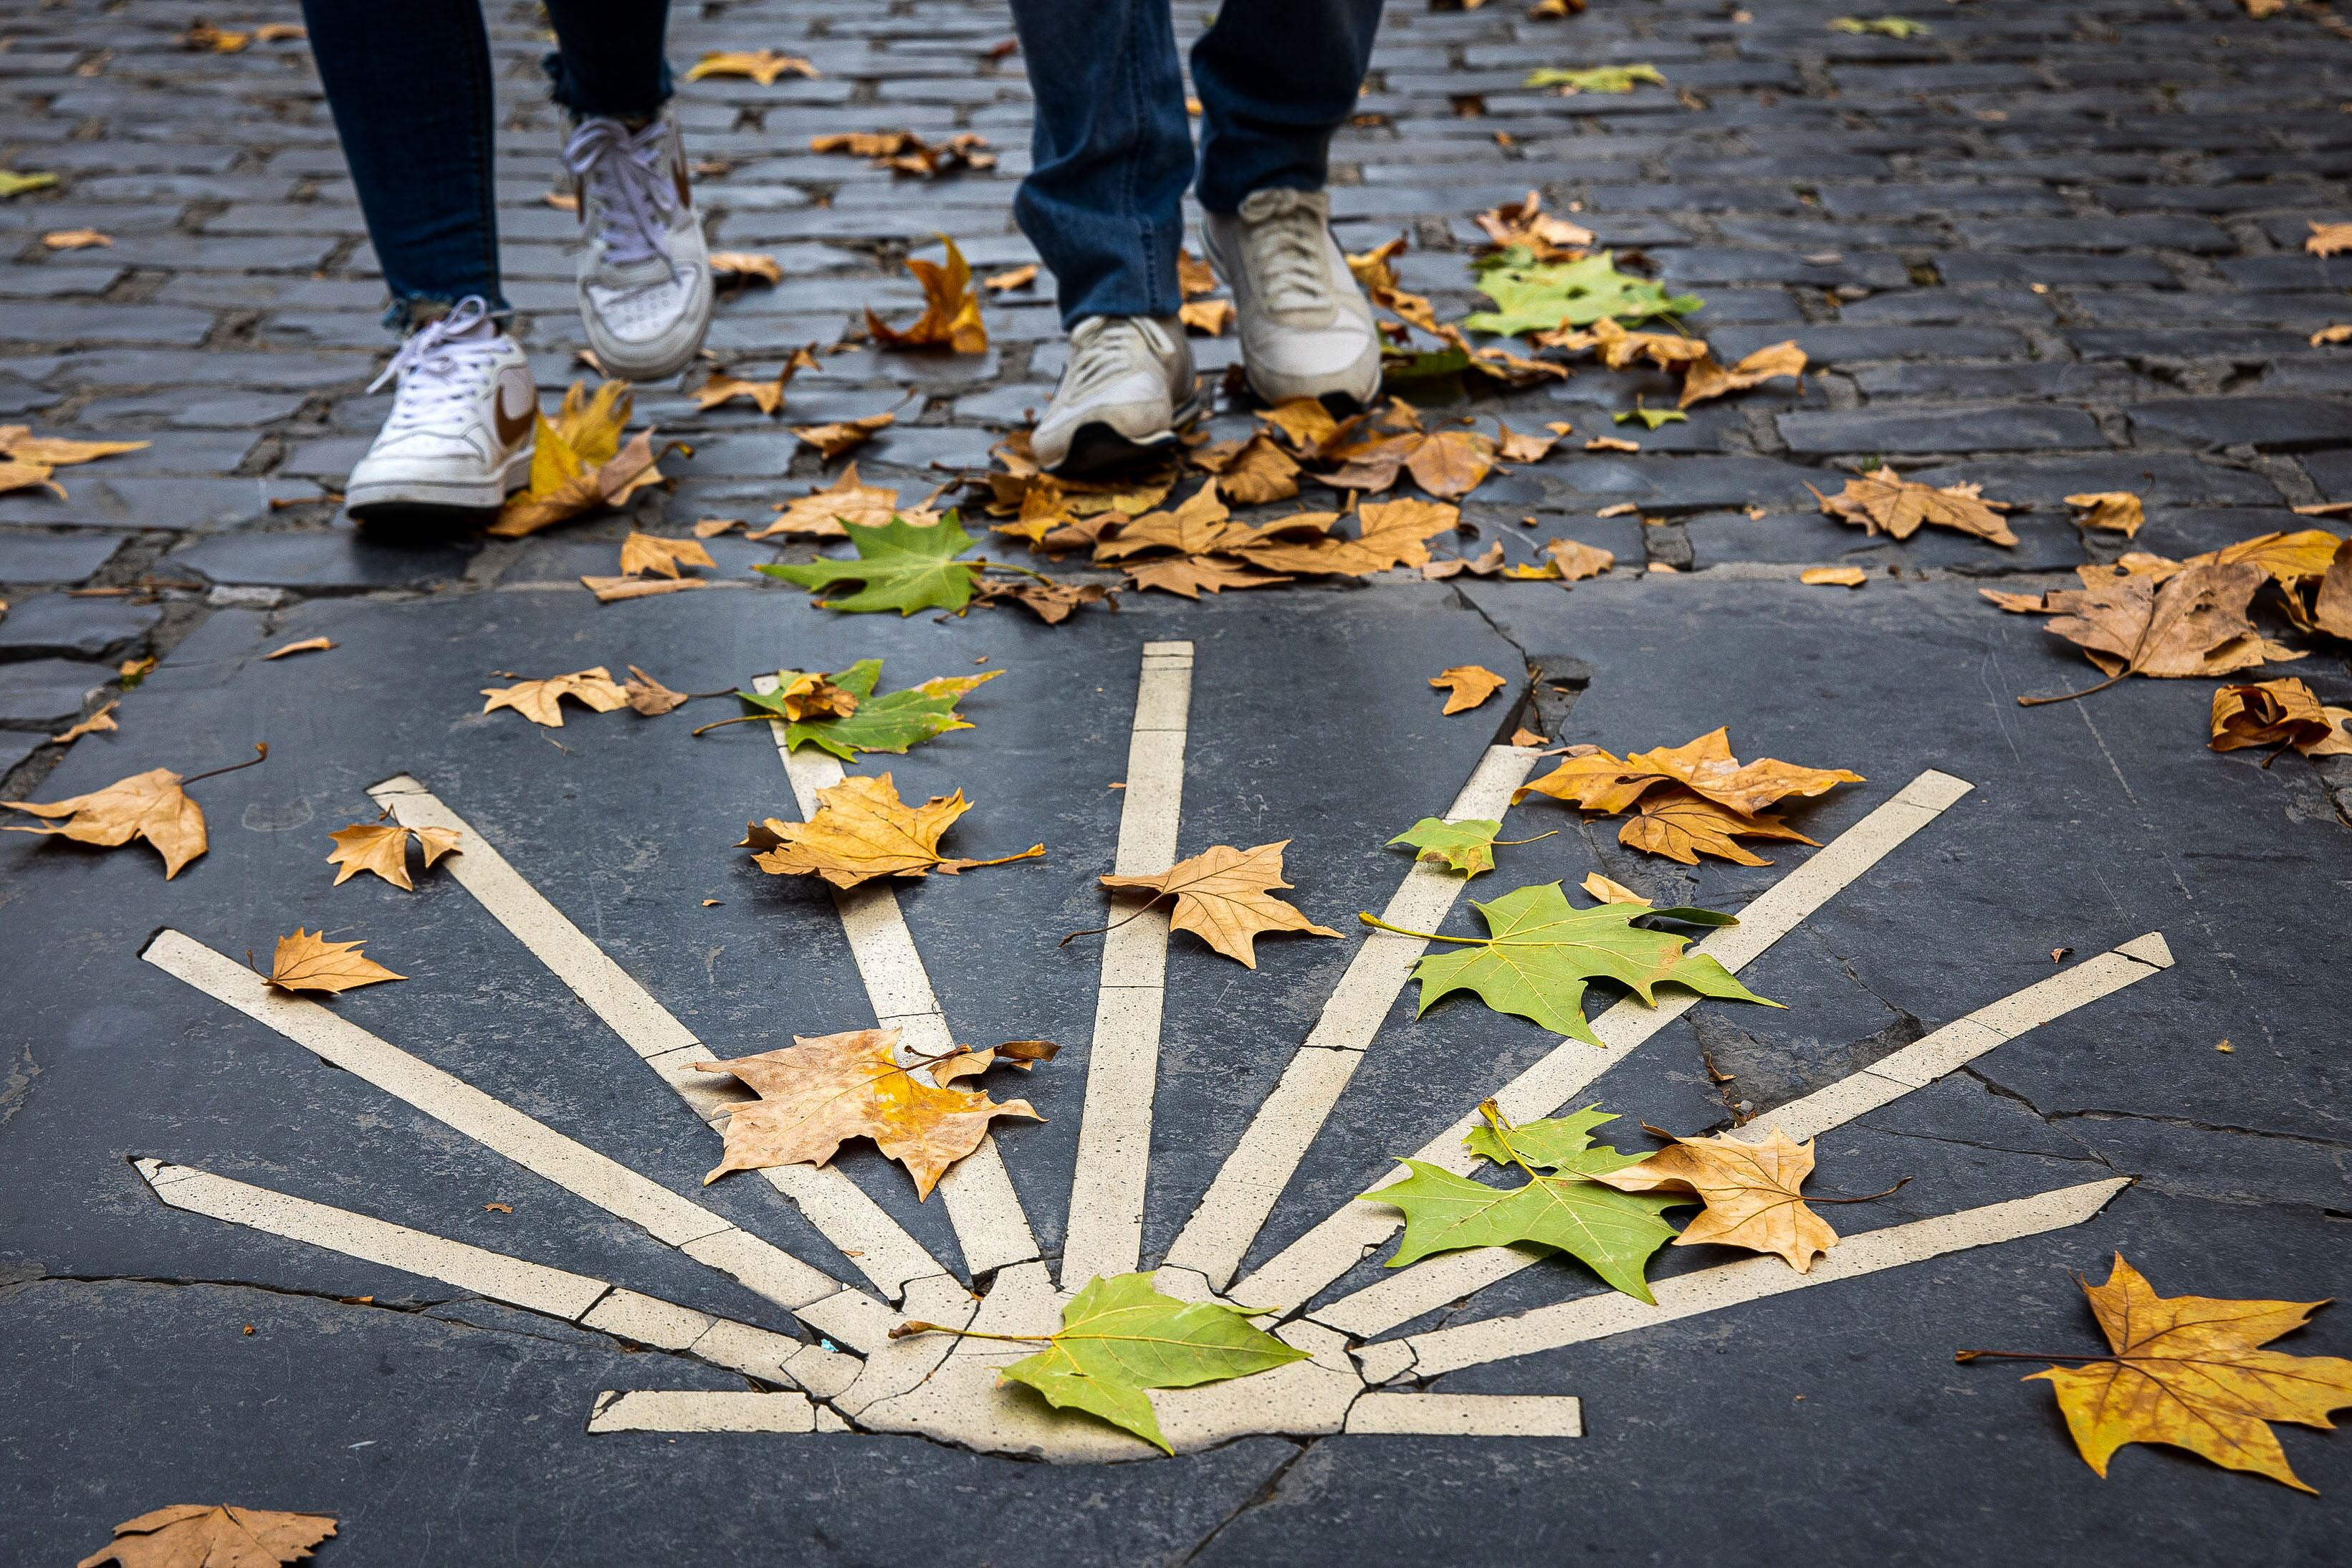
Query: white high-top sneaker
{"points": [[1306, 328], [646, 291], [459, 438], [1127, 390]]}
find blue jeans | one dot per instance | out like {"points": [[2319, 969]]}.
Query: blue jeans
{"points": [[409, 83], [1112, 148]]}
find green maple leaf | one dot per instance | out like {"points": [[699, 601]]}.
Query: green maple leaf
{"points": [[1535, 297], [12, 183], [1600, 78], [1119, 1337], [890, 722], [902, 568], [1653, 417], [1466, 847], [1541, 950], [1556, 1207]]}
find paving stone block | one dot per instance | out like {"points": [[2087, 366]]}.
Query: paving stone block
{"points": [[1833, 345], [55, 624], [47, 690], [1995, 428], [2271, 423], [341, 558], [1997, 267], [106, 324], [54, 558], [2156, 476], [94, 502]]}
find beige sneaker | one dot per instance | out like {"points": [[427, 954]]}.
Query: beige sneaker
{"points": [[1306, 328], [1128, 391]]}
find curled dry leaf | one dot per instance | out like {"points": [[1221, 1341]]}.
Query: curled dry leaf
{"points": [[2329, 238], [1194, 277], [908, 152], [1524, 225], [1051, 603], [764, 66], [381, 847], [821, 513], [1599, 782], [2279, 713], [847, 435], [2192, 624], [1209, 318], [1005, 282], [950, 318], [308, 645], [84, 239], [205, 1535], [644, 553], [1752, 1191], [580, 462], [2331, 609], [98, 723], [538, 701], [1609, 891], [2335, 333], [1574, 560], [1514, 448], [613, 590], [1375, 275], [18, 443], [2114, 511], [1883, 502], [1260, 472], [647, 696], [767, 396], [863, 830], [712, 527], [150, 805], [1225, 896], [1682, 825], [1469, 685], [1833, 577], [742, 267], [1611, 444], [305, 961], [1705, 379]]}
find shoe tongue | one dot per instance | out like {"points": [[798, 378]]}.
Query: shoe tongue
{"points": [[1275, 200]]}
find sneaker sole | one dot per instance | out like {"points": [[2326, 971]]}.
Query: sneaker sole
{"points": [[1098, 449], [403, 497]]}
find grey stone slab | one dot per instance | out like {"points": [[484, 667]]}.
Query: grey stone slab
{"points": [[107, 323], [15, 745], [1678, 484], [42, 624], [214, 369], [165, 452], [2180, 532], [54, 558], [1997, 267], [195, 411], [57, 280], [1834, 344], [2185, 343], [2064, 378], [2172, 477], [94, 502], [1698, 264], [2271, 423], [1998, 427], [336, 558], [1905, 200], [2192, 233], [48, 692]]}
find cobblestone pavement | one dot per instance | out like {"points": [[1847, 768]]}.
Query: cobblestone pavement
{"points": [[2050, 251]]}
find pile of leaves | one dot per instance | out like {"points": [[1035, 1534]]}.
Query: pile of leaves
{"points": [[580, 462], [27, 460], [908, 154], [1198, 546], [1690, 800], [838, 713], [907, 567]]}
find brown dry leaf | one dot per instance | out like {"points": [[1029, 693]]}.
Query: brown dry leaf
{"points": [[950, 318], [204, 1535], [273, 32], [150, 805], [820, 513], [83, 238], [382, 847], [1683, 825], [1198, 524], [1488, 564], [823, 1089], [863, 830], [20, 445], [1398, 531], [1378, 279], [2279, 713], [1189, 574], [1620, 347], [767, 396], [865, 144], [1470, 685], [580, 462], [1611, 444], [642, 552], [1524, 222], [562, 201], [712, 527], [1002, 282], [1575, 561], [2331, 609], [307, 962], [810, 695], [2287, 559], [2193, 624], [98, 723], [1834, 577], [741, 267], [308, 645], [1883, 502], [1514, 448], [615, 590], [202, 35], [1593, 779], [1051, 603], [1707, 379], [763, 67], [1752, 1191], [1450, 464], [1305, 421], [1225, 896], [1194, 277], [2338, 332], [537, 699], [2329, 238], [1209, 318], [833, 441], [2115, 512], [647, 696], [1608, 891], [1708, 766], [1258, 472], [16, 475]]}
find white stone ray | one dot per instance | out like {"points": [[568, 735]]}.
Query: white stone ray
{"points": [[837, 1311], [836, 1205], [1305, 1267], [1425, 1287], [1247, 1186], [992, 1229], [1609, 1312], [579, 1298], [1107, 1188], [706, 1410]]}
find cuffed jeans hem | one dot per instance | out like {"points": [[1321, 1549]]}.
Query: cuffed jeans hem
{"points": [[408, 313], [565, 92], [1224, 197]]}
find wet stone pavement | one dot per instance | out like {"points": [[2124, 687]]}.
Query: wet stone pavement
{"points": [[2050, 251]]}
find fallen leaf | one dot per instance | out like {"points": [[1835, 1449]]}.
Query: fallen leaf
{"points": [[2331, 609], [1209, 318], [1225, 896], [1682, 825], [643, 552], [763, 67], [204, 1535], [615, 590], [1120, 1336], [1514, 448], [1304, 420], [1450, 464], [20, 445], [1707, 379], [1610, 892], [1467, 846], [202, 35], [712, 527], [1259, 472], [308, 962], [1651, 418], [2192, 624], [890, 722], [538, 701], [1752, 1191], [83, 238], [821, 513], [1003, 282], [308, 645], [1599, 782], [150, 805], [1525, 226], [2337, 332], [1598, 79], [1883, 501], [2189, 1371], [1188, 575], [1194, 277], [14, 183], [833, 441], [649, 696], [1619, 348], [1526, 738], [580, 462], [1611, 444], [1378, 279], [100, 722], [1470, 685], [898, 567], [908, 154], [2329, 238], [1889, 26], [1833, 577], [950, 317], [1622, 508], [1051, 603], [2279, 713], [382, 848], [562, 201], [863, 830], [2114, 511], [767, 396], [823, 1089], [1538, 295]]}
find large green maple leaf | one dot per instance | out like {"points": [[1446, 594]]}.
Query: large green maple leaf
{"points": [[1542, 951], [890, 722], [1556, 1207], [1535, 297], [1119, 1337], [901, 567]]}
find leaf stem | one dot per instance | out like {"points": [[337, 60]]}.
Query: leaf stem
{"points": [[739, 719], [912, 1327], [1425, 936], [2070, 696], [1097, 931], [2029, 1355], [1508, 841], [260, 746], [1032, 853], [986, 563], [1869, 1198]]}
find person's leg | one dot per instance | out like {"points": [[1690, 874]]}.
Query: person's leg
{"points": [[608, 57], [410, 88], [1110, 153], [1275, 79]]}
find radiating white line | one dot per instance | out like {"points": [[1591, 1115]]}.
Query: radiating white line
{"points": [[836, 1205], [702, 1410], [809, 1293], [1307, 1265], [1610, 1312], [592, 1304], [1425, 1287], [1107, 1189], [1468, 1415], [990, 1226], [1236, 1204]]}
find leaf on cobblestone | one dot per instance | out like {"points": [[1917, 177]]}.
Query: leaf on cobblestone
{"points": [[2331, 609], [1005, 282], [2279, 713], [18, 443], [307, 645], [1532, 296], [649, 696], [2192, 624], [767, 396], [1559, 1206], [740, 267], [1189, 575], [1705, 379], [1682, 825], [15, 183], [1467, 846], [898, 567], [821, 513], [1524, 225], [822, 1089], [1378, 279], [1886, 27], [2112, 512], [1651, 418], [1599, 782], [843, 435], [1609, 891], [2337, 332], [1752, 1190], [202, 35], [381, 847], [2189, 1371], [1120, 1336], [1197, 524], [305, 961], [616, 590], [84, 239], [1572, 560], [950, 318], [907, 154], [1514, 448], [2329, 238], [890, 722], [1596, 79], [1209, 318], [1225, 896], [539, 700], [98, 723], [1259, 472], [205, 1535], [16, 475], [1469, 685], [764, 66], [863, 830], [1194, 277], [1051, 603], [1834, 577], [650, 552], [580, 462], [150, 805], [1450, 464], [1883, 502]]}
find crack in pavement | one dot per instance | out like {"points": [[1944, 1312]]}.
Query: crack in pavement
{"points": [[1266, 1493]]}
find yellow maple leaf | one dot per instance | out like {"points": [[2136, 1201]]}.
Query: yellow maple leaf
{"points": [[863, 830], [1752, 1190], [538, 701], [650, 552], [381, 847], [202, 1534], [305, 961], [763, 66], [1467, 686], [150, 805], [2114, 511], [950, 317], [1224, 897], [1883, 502]]}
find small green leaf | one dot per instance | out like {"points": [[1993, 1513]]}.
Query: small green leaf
{"points": [[1600, 78], [1889, 26], [901, 568], [890, 722], [1119, 1337], [1464, 847], [13, 183], [1653, 417], [1536, 297], [1542, 951]]}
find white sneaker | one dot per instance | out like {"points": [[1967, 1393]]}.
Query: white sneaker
{"points": [[1127, 390], [459, 438], [1306, 327], [646, 292]]}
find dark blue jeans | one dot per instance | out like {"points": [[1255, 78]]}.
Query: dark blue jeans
{"points": [[1112, 148], [409, 83]]}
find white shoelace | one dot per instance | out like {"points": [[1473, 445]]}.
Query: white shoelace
{"points": [[1105, 348], [436, 374], [1286, 247], [625, 172]]}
